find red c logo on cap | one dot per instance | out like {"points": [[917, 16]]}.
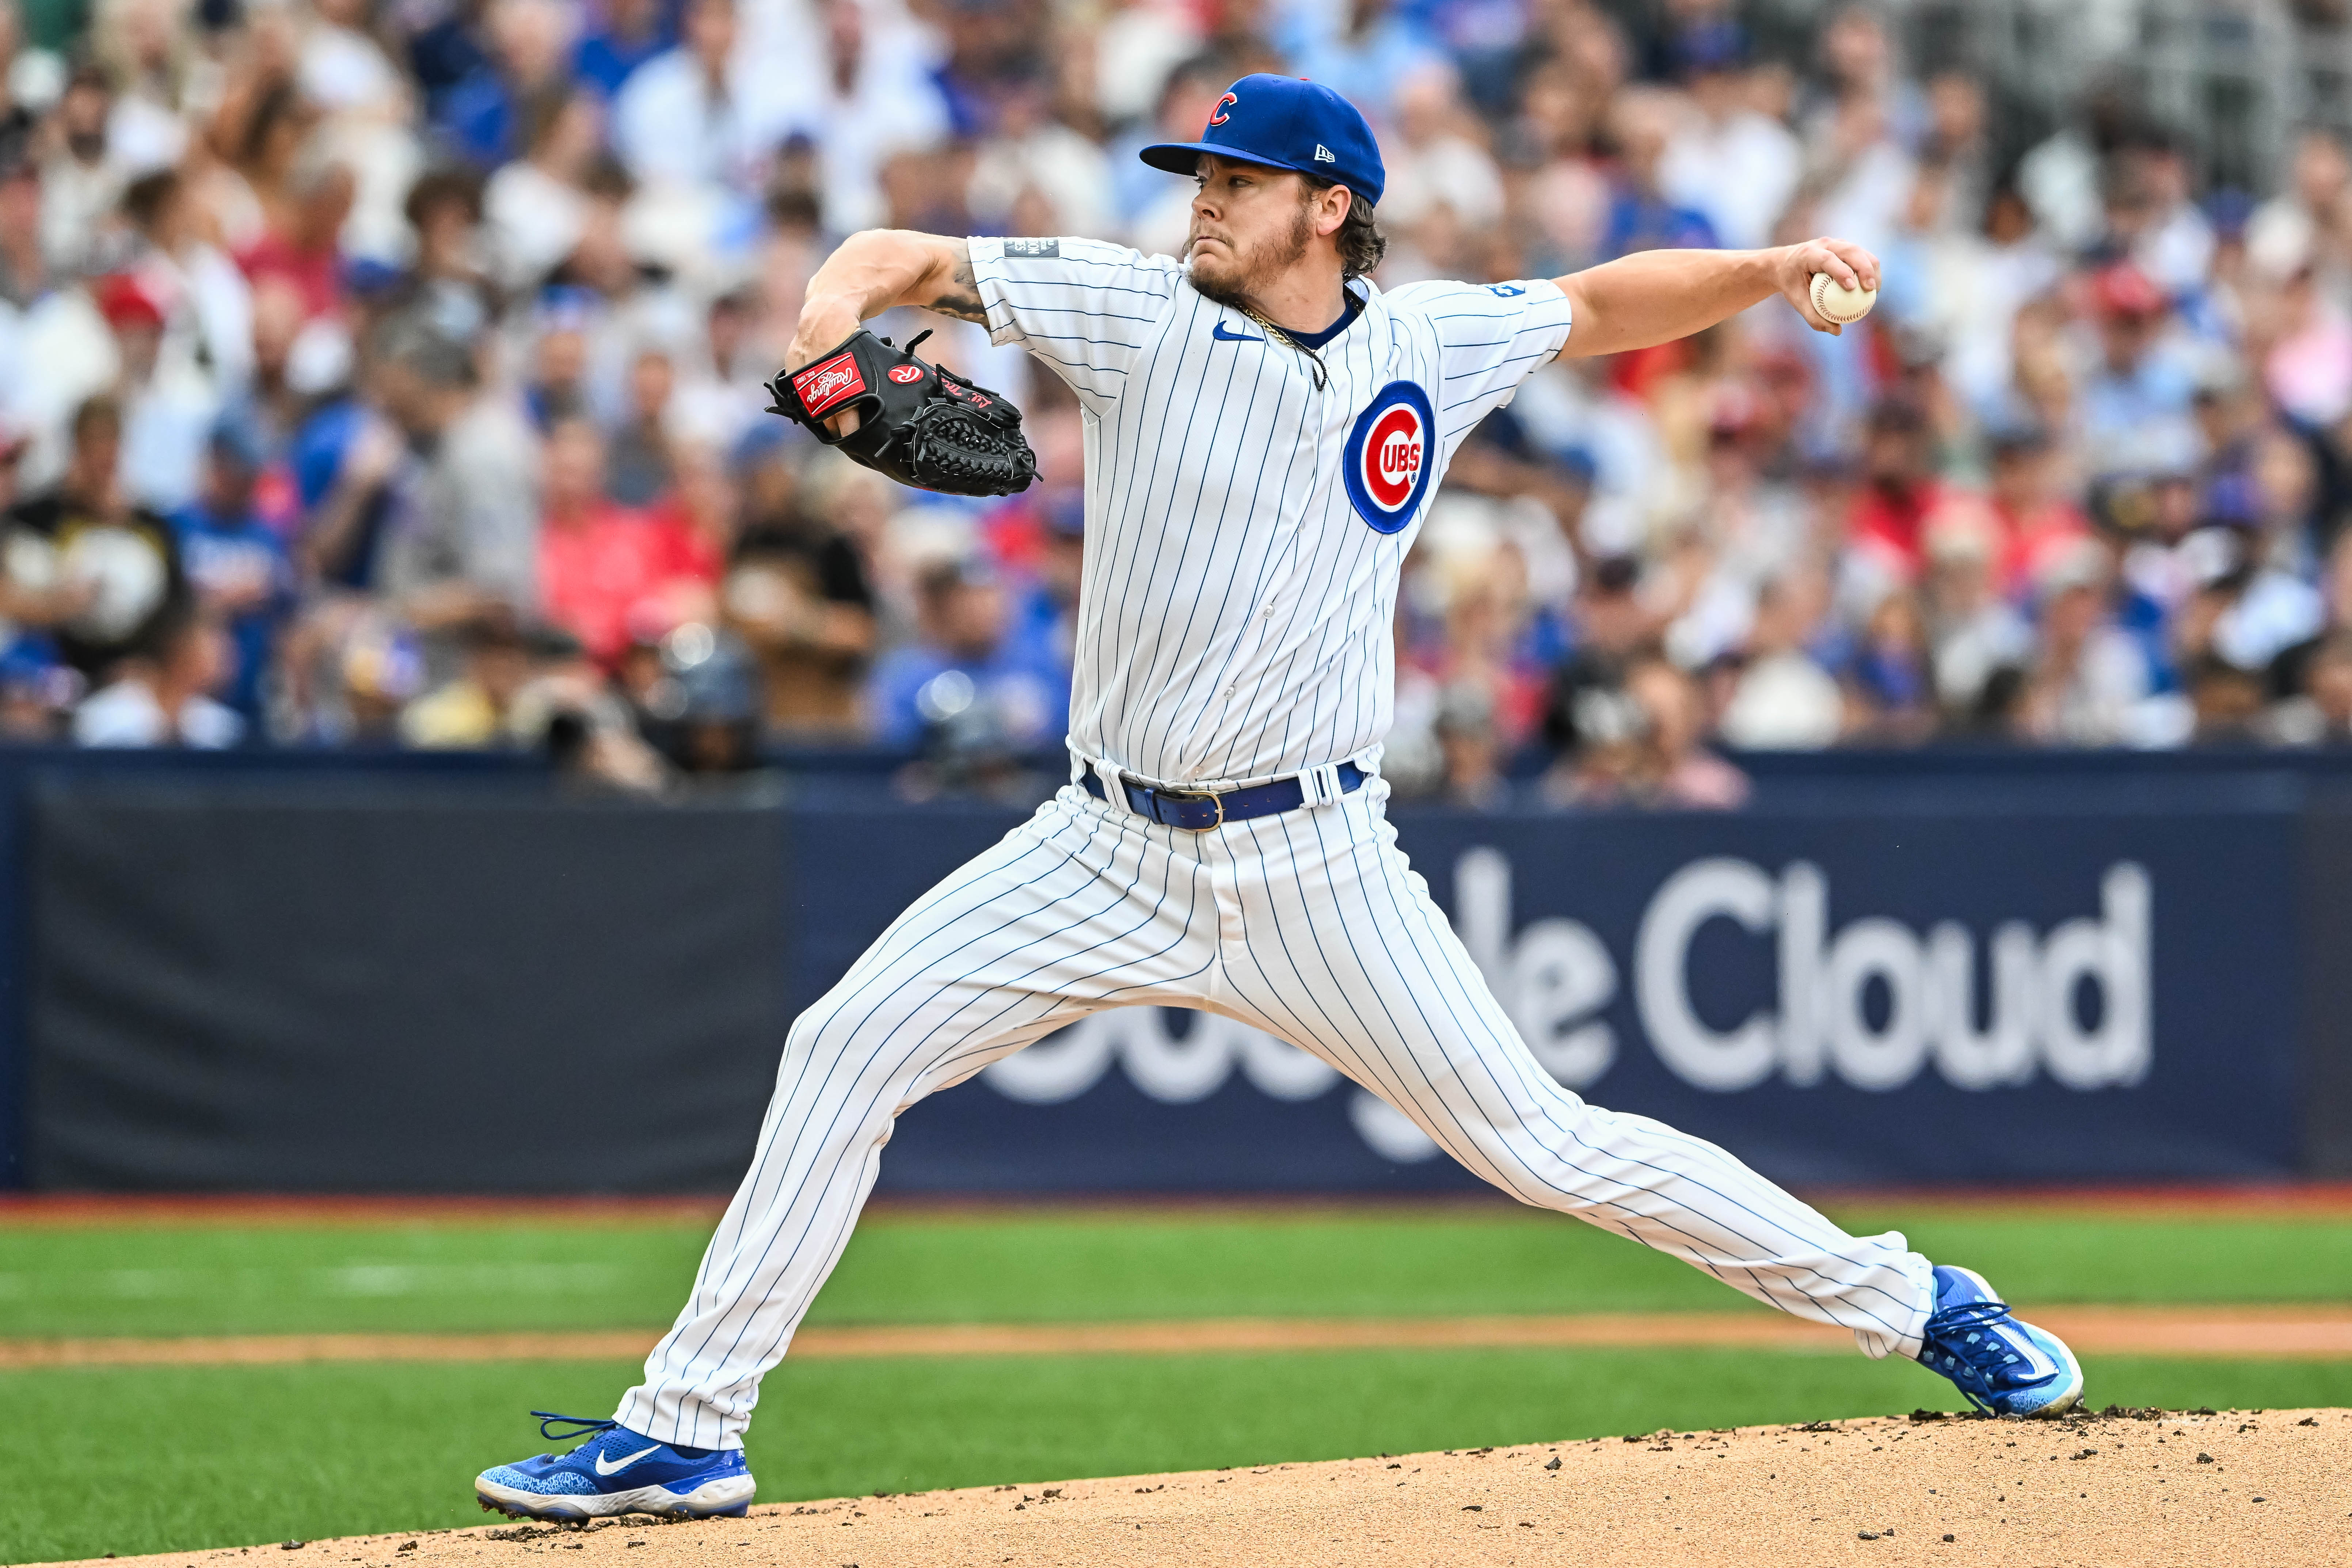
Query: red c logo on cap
{"points": [[1218, 116]]}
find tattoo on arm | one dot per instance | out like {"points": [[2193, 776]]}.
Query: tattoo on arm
{"points": [[961, 296]]}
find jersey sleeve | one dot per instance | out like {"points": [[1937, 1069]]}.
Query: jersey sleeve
{"points": [[1083, 306], [1491, 337]]}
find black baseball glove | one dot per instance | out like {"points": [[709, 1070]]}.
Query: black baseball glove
{"points": [[920, 424]]}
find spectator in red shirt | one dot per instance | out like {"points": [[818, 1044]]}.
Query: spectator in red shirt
{"points": [[610, 572], [700, 517], [302, 248], [2033, 516], [1899, 489]]}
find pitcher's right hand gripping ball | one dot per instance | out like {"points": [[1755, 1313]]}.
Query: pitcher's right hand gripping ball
{"points": [[921, 425]]}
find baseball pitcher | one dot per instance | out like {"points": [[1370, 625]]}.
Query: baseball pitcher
{"points": [[1264, 427]]}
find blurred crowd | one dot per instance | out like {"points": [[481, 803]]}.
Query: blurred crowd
{"points": [[388, 372]]}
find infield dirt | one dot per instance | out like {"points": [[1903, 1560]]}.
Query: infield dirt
{"points": [[2215, 1489]]}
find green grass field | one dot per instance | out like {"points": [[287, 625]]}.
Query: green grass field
{"points": [[1079, 1267], [204, 1455]]}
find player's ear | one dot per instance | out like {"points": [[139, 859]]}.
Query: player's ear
{"points": [[1332, 208]]}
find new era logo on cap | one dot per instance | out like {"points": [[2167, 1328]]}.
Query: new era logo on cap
{"points": [[1285, 122]]}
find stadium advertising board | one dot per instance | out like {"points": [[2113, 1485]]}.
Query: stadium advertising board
{"points": [[1896, 996], [2010, 981]]}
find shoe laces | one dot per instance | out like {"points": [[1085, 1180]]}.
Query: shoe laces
{"points": [[1961, 1335], [577, 1425]]}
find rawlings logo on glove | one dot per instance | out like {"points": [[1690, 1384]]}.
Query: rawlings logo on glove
{"points": [[823, 386], [920, 424]]}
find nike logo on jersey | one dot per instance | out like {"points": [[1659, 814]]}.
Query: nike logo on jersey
{"points": [[1222, 336], [614, 1469]]}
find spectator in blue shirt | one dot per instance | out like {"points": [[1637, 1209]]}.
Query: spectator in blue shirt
{"points": [[1641, 216], [621, 37], [963, 683], [2136, 403], [236, 562], [1363, 49], [484, 118], [341, 540]]}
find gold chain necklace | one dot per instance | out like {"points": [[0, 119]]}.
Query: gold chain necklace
{"points": [[1322, 376]]}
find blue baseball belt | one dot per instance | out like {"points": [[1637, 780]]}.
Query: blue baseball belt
{"points": [[1200, 810]]}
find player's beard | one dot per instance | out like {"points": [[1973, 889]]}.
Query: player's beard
{"points": [[1240, 279]]}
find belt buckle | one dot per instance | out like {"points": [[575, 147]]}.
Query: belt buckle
{"points": [[1217, 796]]}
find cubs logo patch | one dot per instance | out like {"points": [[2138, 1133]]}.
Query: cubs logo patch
{"points": [[827, 383], [1391, 452], [906, 374]]}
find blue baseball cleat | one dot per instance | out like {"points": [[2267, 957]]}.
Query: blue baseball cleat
{"points": [[616, 1471], [2004, 1366]]}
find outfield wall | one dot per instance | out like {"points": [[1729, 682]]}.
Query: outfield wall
{"points": [[261, 974]]}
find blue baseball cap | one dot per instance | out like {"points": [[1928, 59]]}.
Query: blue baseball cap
{"points": [[1286, 123]]}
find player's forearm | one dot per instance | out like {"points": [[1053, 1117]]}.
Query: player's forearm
{"points": [[1656, 296], [878, 269]]}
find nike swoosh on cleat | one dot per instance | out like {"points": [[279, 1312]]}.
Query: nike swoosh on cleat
{"points": [[604, 1469], [1222, 336]]}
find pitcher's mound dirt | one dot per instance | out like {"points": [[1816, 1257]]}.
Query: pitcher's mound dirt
{"points": [[2219, 1489]]}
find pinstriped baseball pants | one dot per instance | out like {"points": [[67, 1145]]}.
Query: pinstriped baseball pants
{"points": [[1309, 925]]}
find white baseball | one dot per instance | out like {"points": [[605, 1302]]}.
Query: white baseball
{"points": [[1833, 301]]}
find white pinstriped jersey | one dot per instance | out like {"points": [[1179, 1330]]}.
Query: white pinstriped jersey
{"points": [[1243, 533], [1245, 528]]}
